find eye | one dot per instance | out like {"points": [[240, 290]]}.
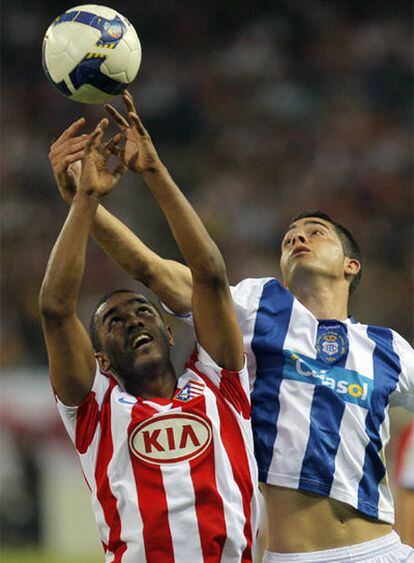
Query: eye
{"points": [[144, 309], [318, 232], [114, 321], [286, 241]]}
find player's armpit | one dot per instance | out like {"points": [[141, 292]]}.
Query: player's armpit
{"points": [[71, 357]]}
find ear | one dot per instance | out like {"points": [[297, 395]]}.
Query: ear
{"points": [[103, 361], [352, 267]]}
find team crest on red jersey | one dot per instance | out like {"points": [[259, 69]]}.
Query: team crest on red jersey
{"points": [[171, 438], [190, 391]]}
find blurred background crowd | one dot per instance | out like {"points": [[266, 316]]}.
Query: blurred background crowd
{"points": [[260, 110]]}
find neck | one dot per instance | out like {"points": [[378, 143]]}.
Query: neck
{"points": [[326, 299], [153, 382]]}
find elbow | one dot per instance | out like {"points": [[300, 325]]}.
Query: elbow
{"points": [[211, 270], [51, 307]]}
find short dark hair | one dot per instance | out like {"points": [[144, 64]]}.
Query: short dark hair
{"points": [[349, 244], [93, 329]]}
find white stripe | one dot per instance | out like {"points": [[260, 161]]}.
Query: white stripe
{"points": [[294, 416], [122, 482], [385, 501], [88, 461], [293, 420], [403, 396], [226, 487], [361, 349], [350, 457], [182, 515], [247, 295], [302, 331]]}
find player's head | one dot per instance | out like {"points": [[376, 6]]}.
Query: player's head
{"points": [[316, 244], [129, 335]]}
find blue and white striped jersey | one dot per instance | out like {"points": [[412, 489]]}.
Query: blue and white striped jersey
{"points": [[321, 391], [322, 426]]}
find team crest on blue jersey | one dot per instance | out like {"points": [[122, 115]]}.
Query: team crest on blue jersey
{"points": [[192, 390], [331, 342]]}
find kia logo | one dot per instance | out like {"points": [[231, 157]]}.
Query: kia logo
{"points": [[170, 438]]}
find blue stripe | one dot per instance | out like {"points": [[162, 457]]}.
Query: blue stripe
{"points": [[88, 71], [272, 322], [387, 368], [318, 465], [81, 17], [111, 30]]}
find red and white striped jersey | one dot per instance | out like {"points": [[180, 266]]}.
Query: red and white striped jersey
{"points": [[172, 480]]}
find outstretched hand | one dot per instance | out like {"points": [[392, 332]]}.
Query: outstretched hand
{"points": [[66, 155], [138, 152], [95, 177]]}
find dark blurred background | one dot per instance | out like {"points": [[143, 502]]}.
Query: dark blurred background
{"points": [[260, 110]]}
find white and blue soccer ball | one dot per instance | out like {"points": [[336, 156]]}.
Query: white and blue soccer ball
{"points": [[91, 53]]}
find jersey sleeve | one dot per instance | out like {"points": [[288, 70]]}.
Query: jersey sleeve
{"points": [[403, 396], [81, 421], [233, 386]]}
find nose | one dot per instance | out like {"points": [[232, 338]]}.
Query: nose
{"points": [[133, 321], [298, 238]]}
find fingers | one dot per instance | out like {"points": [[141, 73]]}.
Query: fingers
{"points": [[111, 147], [63, 163], [119, 171], [129, 102], [120, 119], [67, 145], [71, 130], [95, 138], [137, 122], [71, 145]]}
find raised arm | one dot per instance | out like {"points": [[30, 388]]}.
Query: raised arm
{"points": [[214, 315], [71, 356], [169, 280]]}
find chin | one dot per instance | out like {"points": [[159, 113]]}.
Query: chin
{"points": [[147, 361]]}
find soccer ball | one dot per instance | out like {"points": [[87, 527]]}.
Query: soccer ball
{"points": [[91, 53]]}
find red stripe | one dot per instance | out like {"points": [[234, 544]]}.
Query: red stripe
{"points": [[234, 445], [86, 422], [152, 502], [232, 390], [208, 504], [233, 442], [104, 493]]}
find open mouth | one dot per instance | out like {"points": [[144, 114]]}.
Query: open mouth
{"points": [[141, 340], [300, 250]]}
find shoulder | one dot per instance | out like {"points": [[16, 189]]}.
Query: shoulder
{"points": [[249, 287], [381, 334], [388, 344], [401, 342]]}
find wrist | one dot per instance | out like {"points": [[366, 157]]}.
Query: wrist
{"points": [[87, 196], [156, 169]]}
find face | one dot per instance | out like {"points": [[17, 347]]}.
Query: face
{"points": [[133, 335], [311, 246]]}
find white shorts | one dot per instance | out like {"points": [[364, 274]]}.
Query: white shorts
{"points": [[387, 549]]}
